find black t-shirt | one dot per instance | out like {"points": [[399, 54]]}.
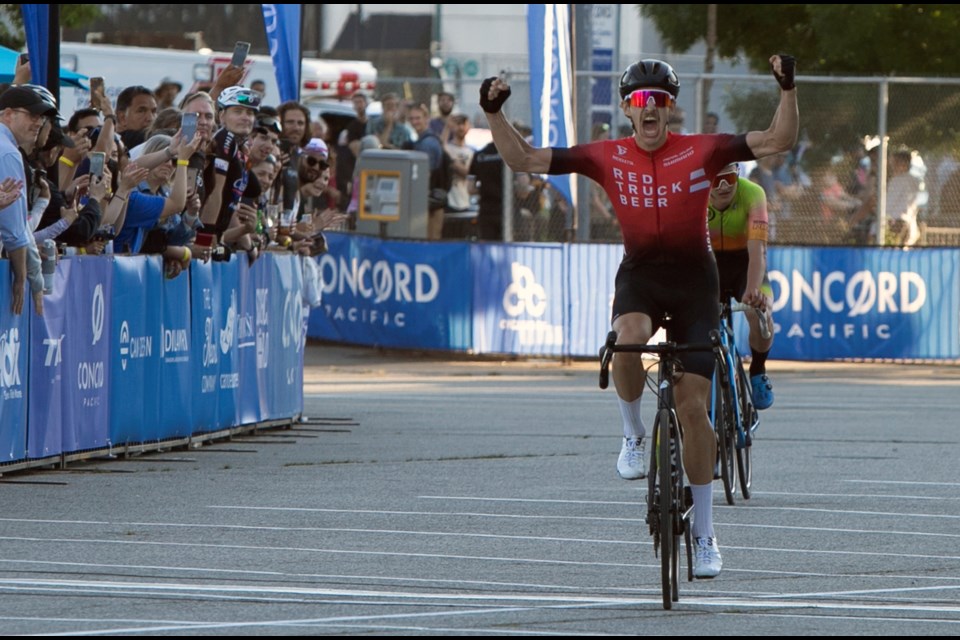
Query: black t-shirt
{"points": [[237, 177], [487, 168]]}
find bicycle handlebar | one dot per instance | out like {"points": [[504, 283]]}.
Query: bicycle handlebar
{"points": [[761, 314], [662, 349]]}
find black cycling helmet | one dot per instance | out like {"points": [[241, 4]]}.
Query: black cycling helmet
{"points": [[647, 74]]}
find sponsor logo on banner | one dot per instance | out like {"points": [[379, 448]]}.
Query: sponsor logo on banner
{"points": [[176, 345], [97, 314], [133, 347], [861, 297], [376, 283], [229, 325], [91, 375], [246, 336], [292, 322], [263, 335], [10, 381], [525, 301]]}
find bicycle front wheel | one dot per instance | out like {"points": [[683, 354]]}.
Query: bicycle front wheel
{"points": [[668, 542], [744, 442]]}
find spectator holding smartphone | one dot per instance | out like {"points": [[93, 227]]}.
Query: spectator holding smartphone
{"points": [[227, 177]]}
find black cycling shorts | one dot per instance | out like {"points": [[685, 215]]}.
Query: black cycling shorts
{"points": [[688, 292], [732, 267]]}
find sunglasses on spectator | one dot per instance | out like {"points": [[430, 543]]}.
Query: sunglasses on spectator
{"points": [[728, 180], [641, 97], [312, 162], [269, 123]]}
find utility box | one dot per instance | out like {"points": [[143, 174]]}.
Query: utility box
{"points": [[393, 188]]}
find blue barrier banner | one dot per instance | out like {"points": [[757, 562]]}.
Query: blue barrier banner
{"points": [[865, 303], [215, 303], [227, 277], [285, 338], [593, 270], [519, 298], [250, 400], [394, 294], [176, 364], [205, 350], [47, 369], [86, 348], [261, 288], [15, 378], [136, 342]]}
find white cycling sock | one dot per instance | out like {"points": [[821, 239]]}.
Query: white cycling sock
{"points": [[633, 426], [702, 510]]}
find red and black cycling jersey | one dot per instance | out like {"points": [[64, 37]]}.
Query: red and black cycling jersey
{"points": [[660, 197]]}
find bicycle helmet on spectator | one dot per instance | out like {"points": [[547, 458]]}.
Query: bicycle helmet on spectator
{"points": [[239, 97], [649, 74], [43, 92]]}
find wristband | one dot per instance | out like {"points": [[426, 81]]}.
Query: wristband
{"points": [[67, 162], [117, 196], [186, 256], [183, 163], [111, 117]]}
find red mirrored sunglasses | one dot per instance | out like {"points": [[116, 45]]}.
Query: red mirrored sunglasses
{"points": [[641, 97], [728, 180]]}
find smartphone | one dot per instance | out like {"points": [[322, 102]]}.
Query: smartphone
{"points": [[97, 159], [240, 51], [96, 91], [204, 239], [24, 58], [189, 126]]}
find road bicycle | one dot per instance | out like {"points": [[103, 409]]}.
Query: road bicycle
{"points": [[732, 412], [669, 500]]}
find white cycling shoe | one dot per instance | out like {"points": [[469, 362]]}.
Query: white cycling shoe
{"points": [[707, 562], [630, 464]]}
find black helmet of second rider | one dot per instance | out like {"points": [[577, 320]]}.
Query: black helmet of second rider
{"points": [[649, 74]]}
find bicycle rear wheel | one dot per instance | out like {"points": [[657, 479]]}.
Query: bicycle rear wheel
{"points": [[723, 425], [669, 554]]}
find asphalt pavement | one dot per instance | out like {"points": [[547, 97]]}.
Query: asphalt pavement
{"points": [[428, 494]]}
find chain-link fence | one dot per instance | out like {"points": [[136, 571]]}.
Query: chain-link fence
{"points": [[826, 191]]}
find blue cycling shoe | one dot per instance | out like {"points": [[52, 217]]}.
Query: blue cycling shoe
{"points": [[762, 391]]}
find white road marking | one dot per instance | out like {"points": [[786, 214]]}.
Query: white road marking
{"points": [[501, 604]]}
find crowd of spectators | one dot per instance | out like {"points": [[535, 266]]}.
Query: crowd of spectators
{"points": [[135, 177]]}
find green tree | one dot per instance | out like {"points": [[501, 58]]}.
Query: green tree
{"points": [[12, 34], [905, 40], [840, 39]]}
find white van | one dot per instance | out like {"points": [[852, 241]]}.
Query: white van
{"points": [[123, 66]]}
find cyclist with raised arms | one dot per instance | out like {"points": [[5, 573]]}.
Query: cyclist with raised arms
{"points": [[659, 184], [737, 219]]}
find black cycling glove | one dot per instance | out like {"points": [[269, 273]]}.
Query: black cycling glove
{"points": [[788, 65], [488, 105]]}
